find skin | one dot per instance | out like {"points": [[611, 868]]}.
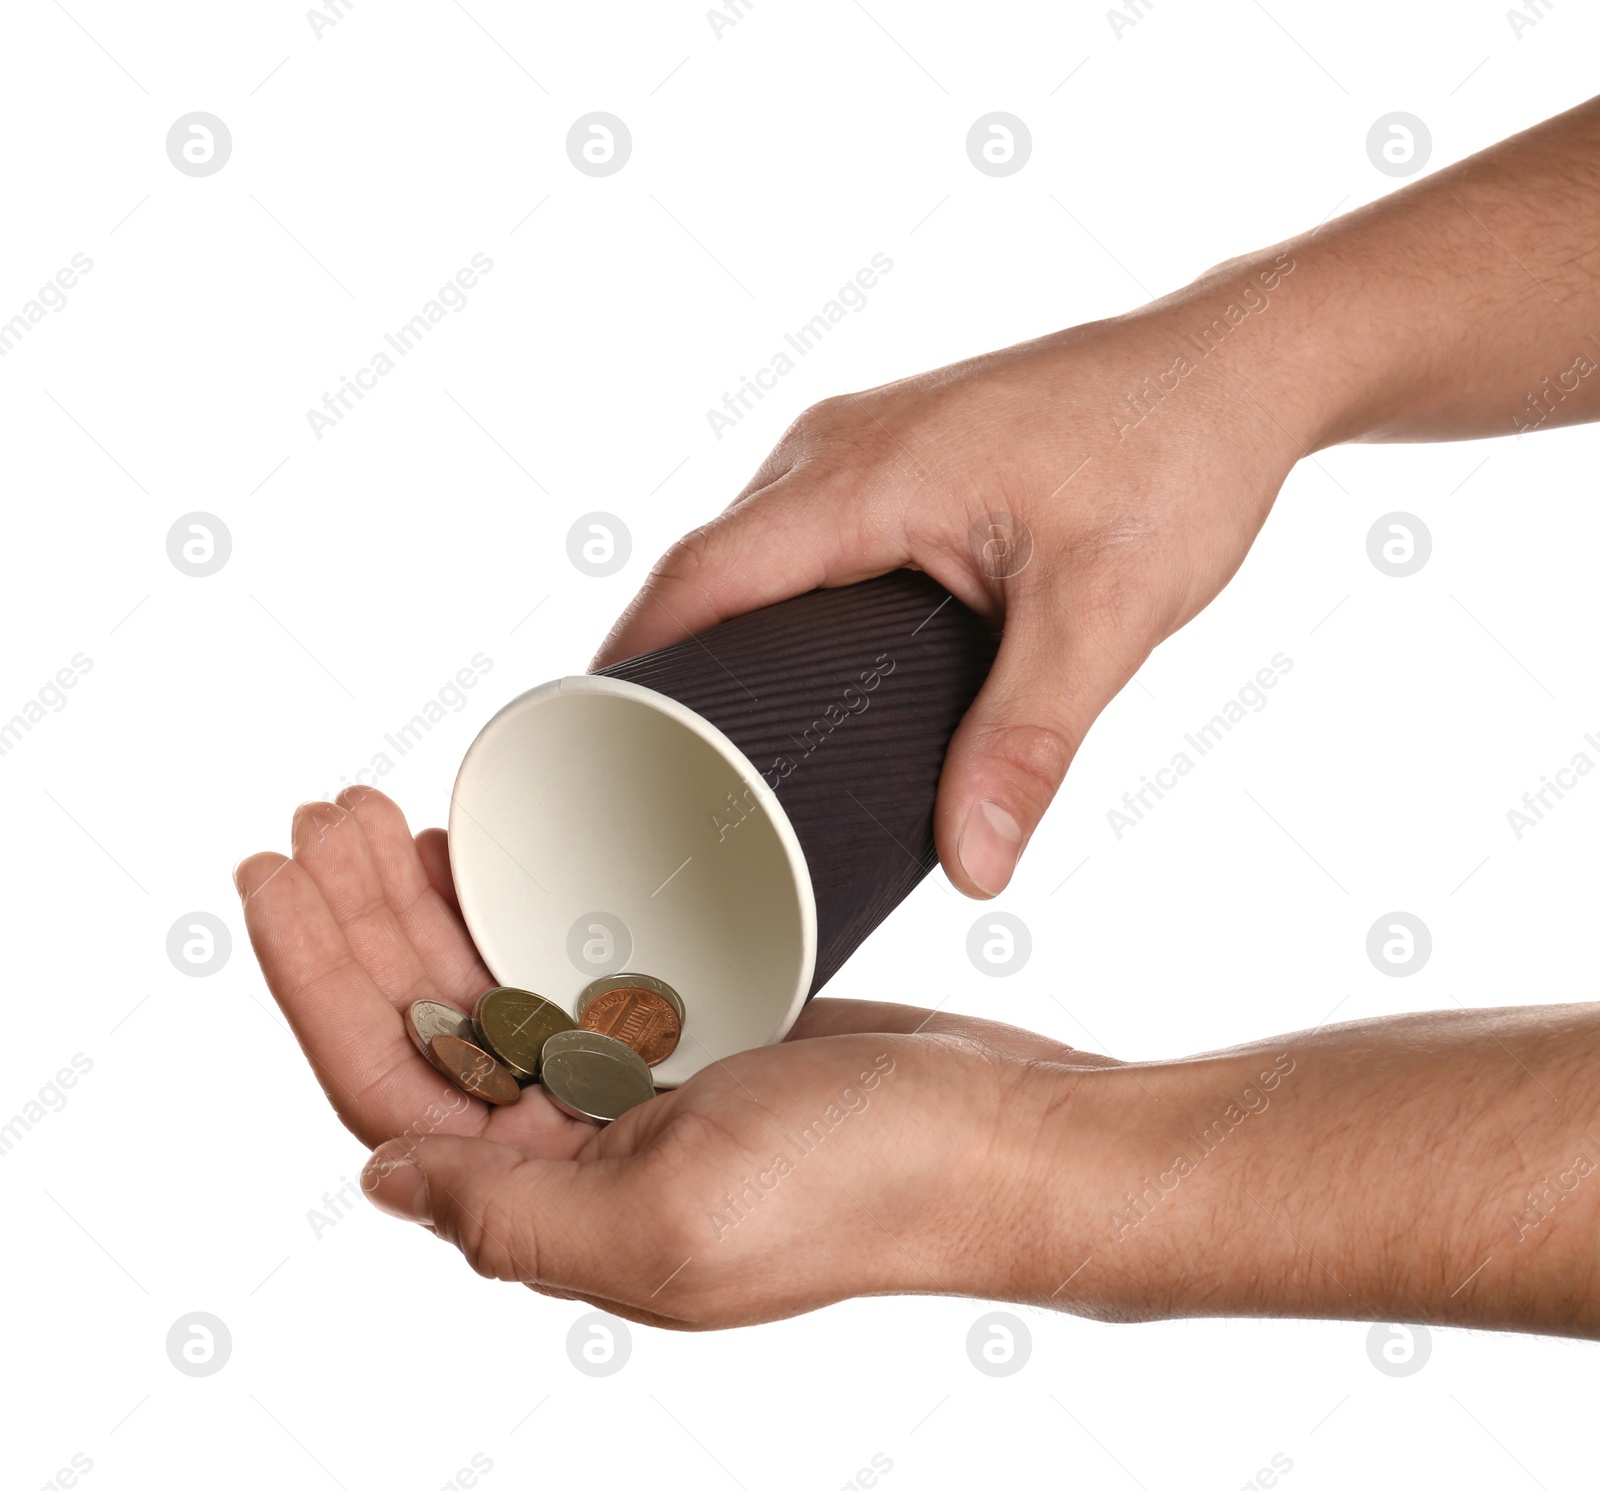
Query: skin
{"points": [[1431, 314], [1363, 1171], [1434, 1167]]}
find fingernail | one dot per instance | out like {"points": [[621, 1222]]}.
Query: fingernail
{"points": [[319, 814], [395, 1183], [236, 885], [991, 841]]}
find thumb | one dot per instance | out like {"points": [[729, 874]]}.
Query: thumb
{"points": [[532, 1221], [1049, 682]]}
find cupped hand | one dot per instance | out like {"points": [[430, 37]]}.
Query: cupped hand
{"points": [[881, 1148], [1032, 486]]}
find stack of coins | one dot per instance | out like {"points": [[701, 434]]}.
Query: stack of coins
{"points": [[595, 1067]]}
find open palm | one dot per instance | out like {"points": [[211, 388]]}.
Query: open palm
{"points": [[858, 1154]]}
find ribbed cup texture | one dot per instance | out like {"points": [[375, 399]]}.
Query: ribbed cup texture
{"points": [[845, 701]]}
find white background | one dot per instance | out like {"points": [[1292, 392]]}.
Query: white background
{"points": [[368, 166]]}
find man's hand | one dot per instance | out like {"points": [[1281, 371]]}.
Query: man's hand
{"points": [[1438, 1167], [971, 470], [878, 1149], [1140, 456]]}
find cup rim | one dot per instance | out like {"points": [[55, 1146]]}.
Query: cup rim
{"points": [[610, 982], [710, 734]]}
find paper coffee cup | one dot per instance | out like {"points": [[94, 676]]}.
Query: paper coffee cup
{"points": [[733, 814]]}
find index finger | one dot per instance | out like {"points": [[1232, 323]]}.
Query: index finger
{"points": [[802, 532]]}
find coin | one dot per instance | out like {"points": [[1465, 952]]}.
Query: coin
{"points": [[514, 1024], [429, 1017], [593, 1076], [473, 1070], [638, 1010]]}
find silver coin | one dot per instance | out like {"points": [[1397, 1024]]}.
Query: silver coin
{"points": [[600, 986], [593, 1076], [430, 1017]]}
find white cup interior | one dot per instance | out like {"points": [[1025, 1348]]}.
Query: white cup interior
{"points": [[589, 799]]}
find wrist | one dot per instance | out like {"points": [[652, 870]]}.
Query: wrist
{"points": [[1076, 1139], [1125, 1201], [1291, 349]]}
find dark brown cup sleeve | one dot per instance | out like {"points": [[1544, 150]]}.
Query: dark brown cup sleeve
{"points": [[844, 701]]}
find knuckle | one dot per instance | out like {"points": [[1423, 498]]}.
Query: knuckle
{"points": [[1035, 756], [822, 415], [825, 425], [686, 558]]}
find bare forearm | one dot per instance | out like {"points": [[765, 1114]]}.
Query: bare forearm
{"points": [[1441, 1167], [1464, 305]]}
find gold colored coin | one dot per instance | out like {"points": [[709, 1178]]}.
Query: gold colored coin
{"points": [[514, 1024]]}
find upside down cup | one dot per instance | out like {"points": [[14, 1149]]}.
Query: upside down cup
{"points": [[733, 814]]}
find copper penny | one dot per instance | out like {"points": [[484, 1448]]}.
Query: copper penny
{"points": [[640, 1018], [473, 1070]]}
